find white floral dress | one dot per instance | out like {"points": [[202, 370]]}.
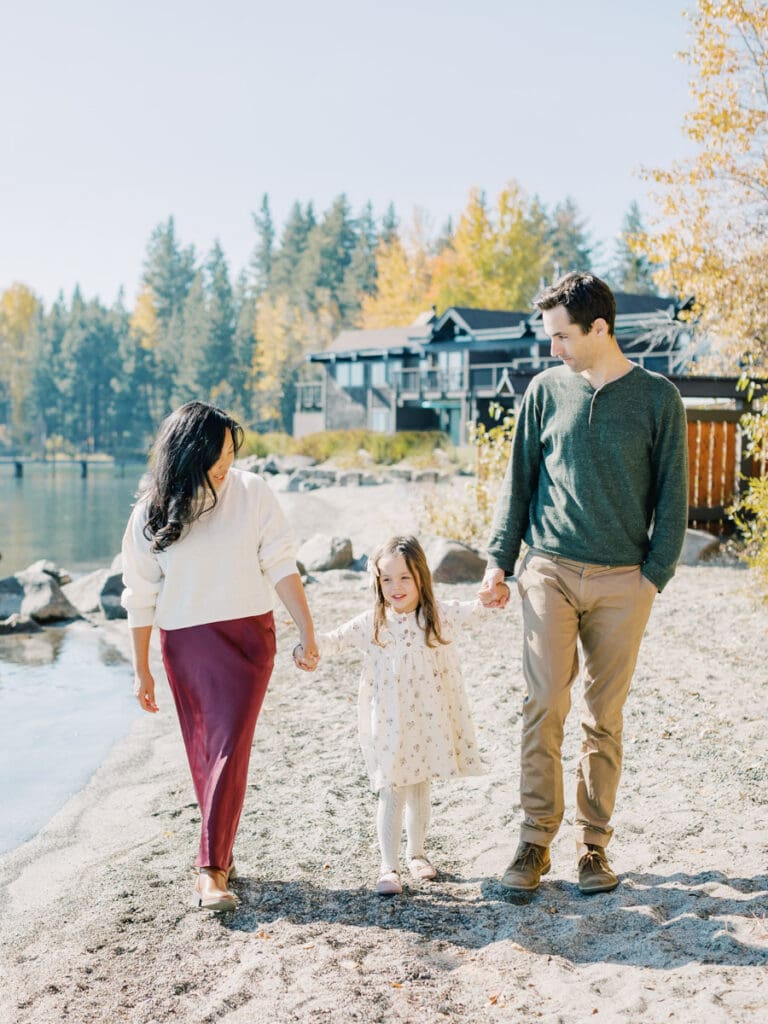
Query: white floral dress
{"points": [[413, 714]]}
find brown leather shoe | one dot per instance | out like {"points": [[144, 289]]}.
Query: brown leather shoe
{"points": [[211, 891], [595, 873], [525, 871]]}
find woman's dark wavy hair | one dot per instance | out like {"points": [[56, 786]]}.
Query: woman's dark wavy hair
{"points": [[188, 444]]}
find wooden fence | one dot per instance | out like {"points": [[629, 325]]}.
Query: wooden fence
{"points": [[718, 467]]}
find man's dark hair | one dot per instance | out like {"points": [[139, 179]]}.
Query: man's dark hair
{"points": [[584, 297]]}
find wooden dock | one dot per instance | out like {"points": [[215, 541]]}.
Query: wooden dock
{"points": [[20, 461]]}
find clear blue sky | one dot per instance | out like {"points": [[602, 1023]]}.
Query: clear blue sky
{"points": [[114, 116]]}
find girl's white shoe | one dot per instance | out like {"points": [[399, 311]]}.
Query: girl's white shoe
{"points": [[389, 884], [421, 868]]}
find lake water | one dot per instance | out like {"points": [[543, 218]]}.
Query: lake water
{"points": [[65, 694], [52, 513]]}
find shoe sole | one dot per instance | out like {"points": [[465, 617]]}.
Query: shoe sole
{"points": [[213, 905], [526, 888], [586, 891]]}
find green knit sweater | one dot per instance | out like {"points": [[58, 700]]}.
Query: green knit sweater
{"points": [[596, 475]]}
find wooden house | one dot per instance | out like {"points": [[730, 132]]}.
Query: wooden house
{"points": [[440, 373]]}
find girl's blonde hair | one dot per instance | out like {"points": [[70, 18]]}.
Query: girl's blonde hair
{"points": [[426, 611]]}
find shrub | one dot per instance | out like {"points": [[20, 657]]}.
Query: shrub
{"points": [[469, 519], [751, 513], [260, 445], [384, 449]]}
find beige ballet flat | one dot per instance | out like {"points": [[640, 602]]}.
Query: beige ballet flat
{"points": [[211, 891], [389, 884], [422, 869]]}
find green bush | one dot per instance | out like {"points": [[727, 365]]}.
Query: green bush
{"points": [[384, 449], [260, 445], [751, 513], [468, 519]]}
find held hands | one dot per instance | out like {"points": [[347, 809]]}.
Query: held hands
{"points": [[306, 655], [144, 691], [494, 592]]}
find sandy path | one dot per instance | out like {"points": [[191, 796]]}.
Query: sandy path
{"points": [[95, 922]]}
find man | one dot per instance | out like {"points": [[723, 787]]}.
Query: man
{"points": [[597, 489]]}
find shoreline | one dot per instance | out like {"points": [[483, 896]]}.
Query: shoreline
{"points": [[95, 917]]}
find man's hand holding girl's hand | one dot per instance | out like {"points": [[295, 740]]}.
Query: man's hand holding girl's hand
{"points": [[494, 592]]}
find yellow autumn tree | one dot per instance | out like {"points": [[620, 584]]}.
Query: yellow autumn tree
{"points": [[144, 325], [18, 311], [403, 278], [712, 237], [711, 233], [496, 258]]}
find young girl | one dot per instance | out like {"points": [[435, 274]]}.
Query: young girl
{"points": [[413, 715]]}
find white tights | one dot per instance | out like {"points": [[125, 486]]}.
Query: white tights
{"points": [[389, 822]]}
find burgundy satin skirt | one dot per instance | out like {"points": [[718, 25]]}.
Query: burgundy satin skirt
{"points": [[218, 673]]}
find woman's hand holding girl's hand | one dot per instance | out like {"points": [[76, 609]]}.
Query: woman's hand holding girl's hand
{"points": [[144, 691], [306, 655]]}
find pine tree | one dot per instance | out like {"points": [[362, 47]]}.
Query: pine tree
{"points": [[168, 271], [568, 239], [264, 251], [293, 244], [218, 349], [632, 271]]}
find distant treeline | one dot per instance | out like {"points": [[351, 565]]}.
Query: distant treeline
{"points": [[81, 376]]}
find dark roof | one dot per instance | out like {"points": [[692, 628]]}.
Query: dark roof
{"points": [[487, 319], [631, 303]]}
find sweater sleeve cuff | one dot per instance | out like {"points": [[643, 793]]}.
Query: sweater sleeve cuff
{"points": [[138, 617], [658, 577], [278, 572]]}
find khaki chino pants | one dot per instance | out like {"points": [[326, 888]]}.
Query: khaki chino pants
{"points": [[606, 608]]}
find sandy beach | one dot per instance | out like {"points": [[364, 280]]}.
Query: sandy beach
{"points": [[96, 918]]}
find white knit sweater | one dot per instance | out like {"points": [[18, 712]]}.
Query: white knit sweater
{"points": [[221, 567]]}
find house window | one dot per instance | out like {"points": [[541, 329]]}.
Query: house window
{"points": [[392, 368], [378, 376], [380, 420], [350, 375]]}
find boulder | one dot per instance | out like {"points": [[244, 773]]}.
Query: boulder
{"points": [[61, 576], [321, 553], [426, 476], [44, 600], [454, 562], [350, 478], [85, 593], [109, 597], [698, 544], [281, 482], [18, 624], [11, 596], [250, 464]]}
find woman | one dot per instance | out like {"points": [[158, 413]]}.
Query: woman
{"points": [[202, 546]]}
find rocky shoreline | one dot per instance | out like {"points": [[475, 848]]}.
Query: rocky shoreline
{"points": [[95, 918]]}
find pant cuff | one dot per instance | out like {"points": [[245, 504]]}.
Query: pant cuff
{"points": [[536, 836], [593, 837]]}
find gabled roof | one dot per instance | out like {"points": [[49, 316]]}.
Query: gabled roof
{"points": [[490, 328], [627, 303], [380, 339], [481, 319]]}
